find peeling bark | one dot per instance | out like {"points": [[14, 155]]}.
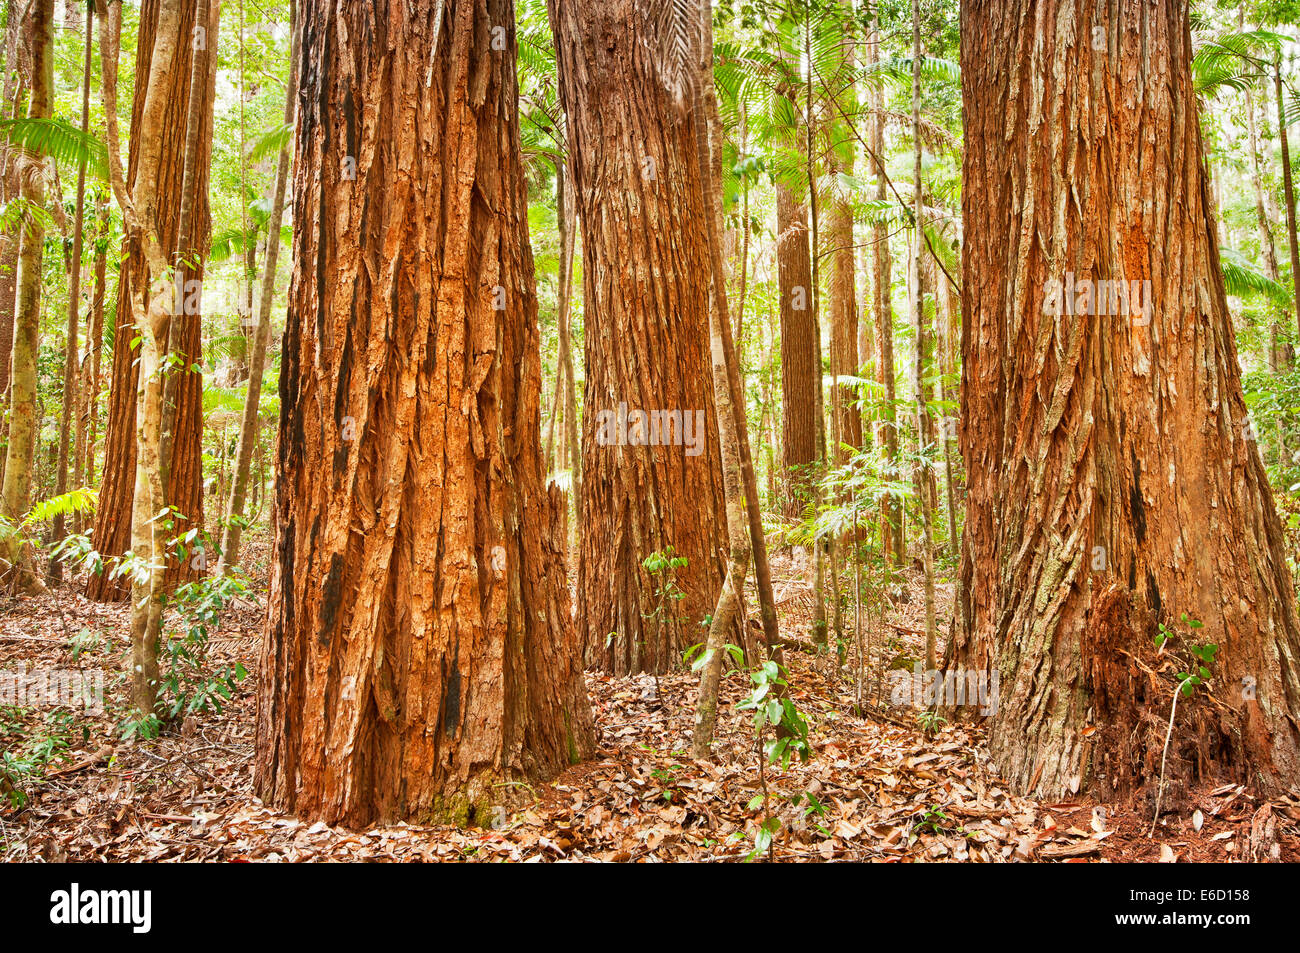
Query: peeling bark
{"points": [[1098, 440], [419, 659], [638, 197]]}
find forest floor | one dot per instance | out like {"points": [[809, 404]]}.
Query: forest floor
{"points": [[876, 788]]}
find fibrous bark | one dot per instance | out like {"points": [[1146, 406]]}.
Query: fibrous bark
{"points": [[419, 659], [1114, 481], [184, 490], [638, 195]]}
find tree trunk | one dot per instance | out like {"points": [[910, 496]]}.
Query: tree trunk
{"points": [[572, 442], [95, 344], [419, 660], [892, 521], [1288, 188], [924, 475], [799, 371], [70, 391], [1113, 481], [15, 86], [839, 231], [184, 489], [729, 608], [248, 428], [23, 422], [641, 206]]}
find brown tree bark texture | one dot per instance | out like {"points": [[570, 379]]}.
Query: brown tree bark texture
{"points": [[646, 312], [800, 375], [184, 489], [1098, 431], [419, 657]]}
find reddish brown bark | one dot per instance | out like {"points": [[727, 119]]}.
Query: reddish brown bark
{"points": [[645, 262], [419, 659], [184, 490], [800, 375], [17, 68], [1114, 481]]}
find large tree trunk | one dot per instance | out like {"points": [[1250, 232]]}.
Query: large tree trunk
{"points": [[183, 490], [642, 211], [1113, 478], [23, 422], [419, 656]]}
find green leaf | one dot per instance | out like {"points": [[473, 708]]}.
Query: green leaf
{"points": [[58, 140]]}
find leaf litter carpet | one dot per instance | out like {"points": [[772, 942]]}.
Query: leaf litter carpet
{"points": [[877, 788]]}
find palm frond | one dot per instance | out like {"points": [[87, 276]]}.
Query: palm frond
{"points": [[898, 69], [59, 140], [271, 142], [20, 211], [1241, 278]]}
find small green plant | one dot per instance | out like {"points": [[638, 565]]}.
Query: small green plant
{"points": [[780, 733], [931, 722], [933, 820], [24, 764], [1197, 660], [812, 810], [190, 681], [667, 778], [663, 567], [85, 641]]}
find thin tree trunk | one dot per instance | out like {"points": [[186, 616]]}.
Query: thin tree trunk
{"points": [[891, 521], [248, 427], [15, 498], [1288, 187], [70, 398], [819, 547], [15, 87], [724, 356], [844, 302], [572, 442], [150, 316], [95, 342], [923, 496]]}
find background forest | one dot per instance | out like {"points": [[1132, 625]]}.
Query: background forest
{"points": [[839, 127]]}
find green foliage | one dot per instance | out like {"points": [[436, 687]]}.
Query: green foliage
{"points": [[190, 682], [780, 733], [26, 755], [58, 140], [930, 722], [663, 567], [1200, 656]]}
